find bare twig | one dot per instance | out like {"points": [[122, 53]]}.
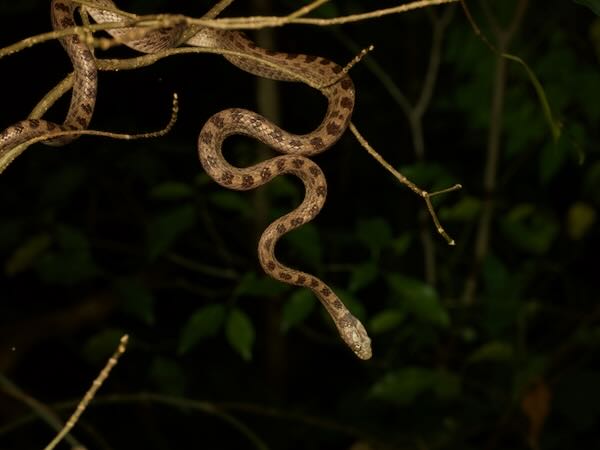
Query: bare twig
{"points": [[89, 395]]}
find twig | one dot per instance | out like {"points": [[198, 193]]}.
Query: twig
{"points": [[41, 410], [89, 395], [405, 181]]}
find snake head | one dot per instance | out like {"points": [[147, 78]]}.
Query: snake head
{"points": [[355, 336]]}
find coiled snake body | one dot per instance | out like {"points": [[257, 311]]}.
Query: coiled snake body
{"points": [[336, 86]]}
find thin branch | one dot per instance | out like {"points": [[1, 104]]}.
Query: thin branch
{"points": [[405, 181], [89, 395], [42, 411]]}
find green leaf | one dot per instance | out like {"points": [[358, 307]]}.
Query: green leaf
{"points": [[239, 331], [231, 202], [594, 5], [494, 351], [137, 300], [27, 254], [420, 299], [362, 275], [168, 376], [580, 218], [299, 306], [374, 233], [99, 347], [403, 386], [401, 244], [386, 320], [167, 227], [354, 305], [465, 210], [204, 322], [71, 262], [530, 229], [172, 190], [262, 286], [552, 158]]}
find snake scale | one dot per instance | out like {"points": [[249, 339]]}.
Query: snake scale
{"points": [[336, 86]]}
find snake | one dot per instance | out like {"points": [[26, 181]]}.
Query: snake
{"points": [[334, 83], [83, 97]]}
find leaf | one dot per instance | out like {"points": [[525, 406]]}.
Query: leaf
{"points": [[27, 254], [530, 229], [354, 305], [71, 262], [299, 306], [262, 286], [362, 275], [403, 386], [386, 320], [580, 219], [535, 404], [420, 299], [465, 210], [172, 190], [167, 227], [494, 351], [239, 331], [401, 244], [138, 300], [374, 233], [594, 5], [204, 322]]}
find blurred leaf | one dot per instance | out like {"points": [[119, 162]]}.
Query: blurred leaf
{"points": [[529, 228], [11, 231], [137, 300], [428, 176], [420, 299], [231, 202], [494, 351], [100, 346], [262, 286], [305, 242], [172, 190], [295, 310], [403, 386], [168, 376], [465, 210], [362, 275], [386, 320], [204, 322], [164, 229], [535, 404], [594, 5], [70, 262], [402, 243], [239, 331], [580, 219], [374, 233], [27, 254]]}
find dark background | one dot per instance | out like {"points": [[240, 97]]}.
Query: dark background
{"points": [[104, 237]]}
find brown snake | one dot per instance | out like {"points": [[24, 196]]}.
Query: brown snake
{"points": [[335, 84]]}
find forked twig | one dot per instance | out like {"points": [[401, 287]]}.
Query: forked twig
{"points": [[405, 181]]}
